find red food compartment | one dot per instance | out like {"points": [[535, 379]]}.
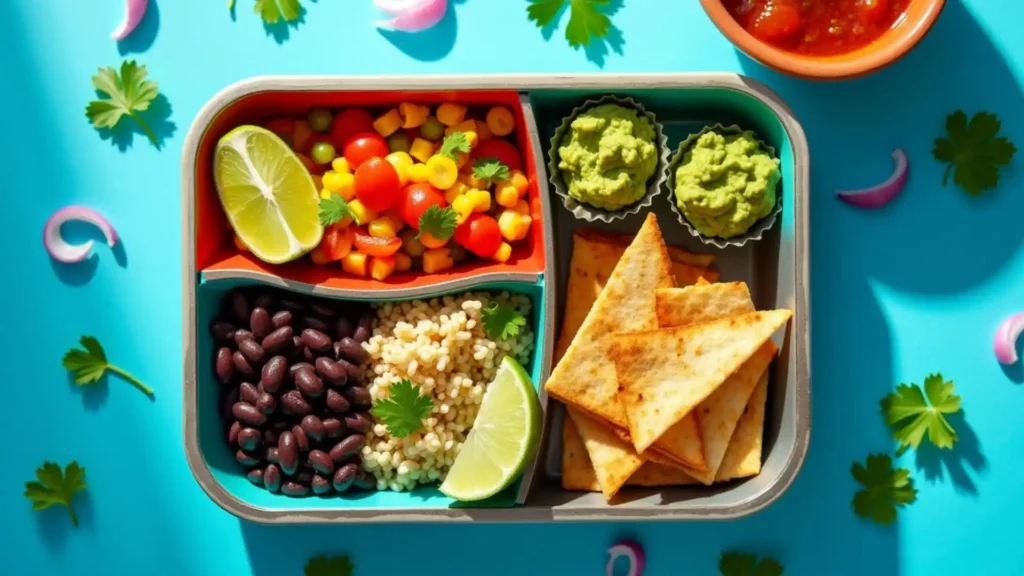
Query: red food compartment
{"points": [[214, 246]]}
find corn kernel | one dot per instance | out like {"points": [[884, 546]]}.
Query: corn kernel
{"points": [[418, 173], [340, 165], [421, 149], [403, 262], [436, 260], [401, 161], [455, 191], [325, 194], [361, 213], [443, 172], [506, 196], [468, 179], [522, 207], [481, 200], [429, 241], [355, 263], [462, 160], [451, 113], [381, 267], [319, 256], [389, 123], [413, 115], [332, 181], [503, 253], [382, 227], [347, 187], [519, 180], [513, 225], [463, 207], [500, 121]]}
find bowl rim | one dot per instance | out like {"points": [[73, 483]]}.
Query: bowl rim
{"points": [[836, 68]]}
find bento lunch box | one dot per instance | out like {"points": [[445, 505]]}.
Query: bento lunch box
{"points": [[775, 269]]}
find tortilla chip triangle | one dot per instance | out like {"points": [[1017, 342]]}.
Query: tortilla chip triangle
{"points": [[665, 374], [743, 457], [614, 460]]}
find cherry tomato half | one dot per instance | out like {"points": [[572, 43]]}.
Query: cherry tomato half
{"points": [[479, 234], [374, 246], [348, 123], [377, 184], [364, 146], [416, 198], [337, 242], [503, 150]]}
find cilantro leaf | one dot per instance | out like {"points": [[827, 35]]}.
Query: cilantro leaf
{"points": [[90, 364], [885, 489], [438, 222], [454, 144], [332, 566], [911, 412], [273, 11], [333, 209], [404, 410], [586, 21], [128, 93], [738, 564], [502, 322], [56, 487], [974, 151], [490, 170]]}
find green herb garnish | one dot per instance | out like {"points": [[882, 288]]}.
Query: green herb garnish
{"points": [[329, 566], [454, 144], [90, 364], [490, 170], [586, 21], [911, 412], [738, 564], [56, 487], [273, 11], [333, 209], [884, 489], [404, 410], [973, 151], [127, 94], [438, 222], [502, 322]]}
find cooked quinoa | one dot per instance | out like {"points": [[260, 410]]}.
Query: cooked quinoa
{"points": [[442, 346]]}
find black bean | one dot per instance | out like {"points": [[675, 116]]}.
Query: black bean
{"points": [[314, 323], [355, 372], [239, 305], [248, 414], [272, 375], [344, 477], [347, 448], [357, 396], [272, 477], [309, 384], [249, 439], [241, 334], [288, 453], [343, 328], [364, 481], [321, 461], [331, 371], [251, 349], [292, 305], [248, 393], [358, 422], [294, 369], [292, 488], [336, 402], [242, 365], [300, 438], [223, 332], [308, 355], [271, 455], [270, 437], [352, 351], [323, 310], [278, 340], [313, 427], [255, 476], [225, 367], [316, 340], [227, 400], [267, 403], [333, 428], [233, 431], [265, 301], [280, 319], [363, 329], [246, 459], [260, 323], [293, 403], [320, 484]]}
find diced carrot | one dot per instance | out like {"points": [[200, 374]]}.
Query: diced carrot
{"points": [[413, 115], [355, 263], [500, 121], [381, 267], [451, 113], [389, 123]]}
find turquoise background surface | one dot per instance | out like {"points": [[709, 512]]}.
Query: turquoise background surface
{"points": [[897, 293]]}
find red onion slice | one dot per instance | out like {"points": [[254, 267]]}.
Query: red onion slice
{"points": [[881, 194], [633, 551], [411, 15], [1005, 342], [70, 253], [134, 11]]}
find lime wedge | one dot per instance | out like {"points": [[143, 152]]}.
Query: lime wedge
{"points": [[267, 194], [504, 437]]}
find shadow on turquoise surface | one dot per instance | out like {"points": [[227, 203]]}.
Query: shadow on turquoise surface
{"points": [[936, 465], [80, 273], [429, 45], [143, 36], [157, 117], [54, 524], [598, 49]]}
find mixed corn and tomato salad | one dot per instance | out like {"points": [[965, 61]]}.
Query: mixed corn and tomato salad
{"points": [[415, 187]]}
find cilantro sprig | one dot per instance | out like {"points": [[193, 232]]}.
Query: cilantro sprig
{"points": [[739, 564], [56, 487], [329, 566], [973, 151], [439, 222], [586, 20], [502, 322], [89, 364], [912, 412], [490, 170], [885, 489], [333, 209], [404, 410], [128, 93], [273, 11], [454, 144]]}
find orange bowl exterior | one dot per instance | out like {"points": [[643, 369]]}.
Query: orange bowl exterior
{"points": [[890, 47]]}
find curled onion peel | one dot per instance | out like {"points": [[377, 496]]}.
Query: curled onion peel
{"points": [[411, 15], [1005, 342], [134, 11], [881, 194], [633, 552], [70, 253]]}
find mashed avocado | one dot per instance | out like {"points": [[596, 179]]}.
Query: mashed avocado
{"points": [[726, 183], [607, 156]]}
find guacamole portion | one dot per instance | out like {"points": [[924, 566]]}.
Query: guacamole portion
{"points": [[725, 183], [607, 156]]}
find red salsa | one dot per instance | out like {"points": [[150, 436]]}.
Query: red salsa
{"points": [[817, 27]]}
